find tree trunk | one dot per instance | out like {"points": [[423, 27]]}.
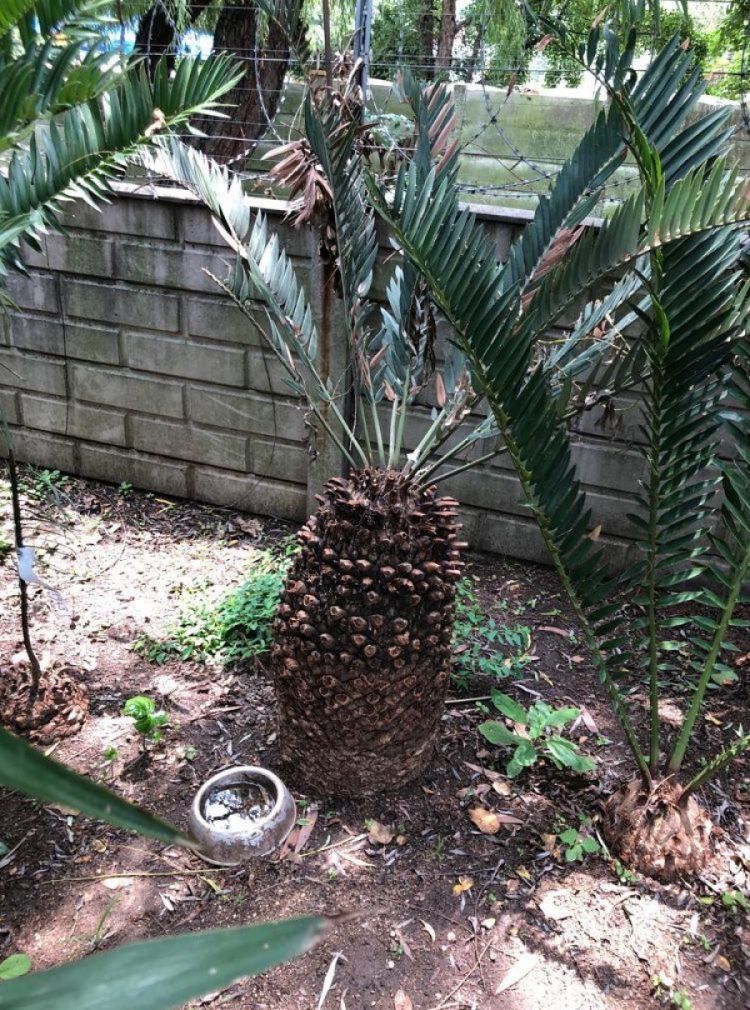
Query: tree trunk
{"points": [[157, 34], [427, 39], [255, 99], [252, 104], [362, 638], [447, 34]]}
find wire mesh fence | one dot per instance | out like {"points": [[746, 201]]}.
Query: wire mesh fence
{"points": [[519, 117]]}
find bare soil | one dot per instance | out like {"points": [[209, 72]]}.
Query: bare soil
{"points": [[449, 916]]}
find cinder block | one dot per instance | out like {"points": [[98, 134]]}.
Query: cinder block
{"points": [[37, 333], [67, 417], [26, 371], [171, 266], [150, 352], [279, 459], [219, 448], [151, 474], [92, 343], [9, 406], [197, 228], [219, 319], [245, 412], [126, 215], [81, 254], [37, 291], [42, 449], [250, 494], [47, 414], [131, 392], [155, 310], [266, 374]]}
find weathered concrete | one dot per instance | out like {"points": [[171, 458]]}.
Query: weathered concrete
{"points": [[125, 363]]}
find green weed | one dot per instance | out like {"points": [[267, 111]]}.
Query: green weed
{"points": [[235, 627], [481, 645], [537, 737]]}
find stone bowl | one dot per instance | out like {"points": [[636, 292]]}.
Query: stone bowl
{"points": [[241, 813]]}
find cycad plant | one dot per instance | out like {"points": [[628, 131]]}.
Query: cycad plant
{"points": [[674, 244], [361, 657]]}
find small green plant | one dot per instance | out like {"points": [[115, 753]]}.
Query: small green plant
{"points": [[234, 628], [46, 484], [534, 735], [111, 753], [14, 966], [623, 874], [664, 988], [481, 645], [125, 487], [577, 843], [148, 721], [735, 901]]}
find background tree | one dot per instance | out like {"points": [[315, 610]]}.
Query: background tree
{"points": [[263, 37]]}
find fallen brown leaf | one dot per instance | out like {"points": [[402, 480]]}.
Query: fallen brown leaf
{"points": [[552, 630], [486, 820], [464, 884], [402, 1002], [380, 834]]}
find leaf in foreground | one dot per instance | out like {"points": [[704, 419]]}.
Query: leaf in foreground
{"points": [[161, 974], [26, 769]]}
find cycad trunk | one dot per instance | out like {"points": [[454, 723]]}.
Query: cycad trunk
{"points": [[363, 634]]}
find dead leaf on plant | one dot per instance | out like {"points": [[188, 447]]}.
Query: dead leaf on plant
{"points": [[464, 884], [549, 842], [380, 834]]}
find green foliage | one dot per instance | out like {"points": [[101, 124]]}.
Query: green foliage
{"points": [[578, 843], [735, 901], [534, 735], [665, 242], [14, 966], [148, 721], [482, 646], [71, 115], [234, 628]]}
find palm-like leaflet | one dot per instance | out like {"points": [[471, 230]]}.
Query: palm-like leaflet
{"points": [[677, 235]]}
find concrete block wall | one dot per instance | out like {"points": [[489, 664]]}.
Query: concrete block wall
{"points": [[126, 363]]}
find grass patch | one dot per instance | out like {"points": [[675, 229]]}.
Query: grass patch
{"points": [[233, 628]]}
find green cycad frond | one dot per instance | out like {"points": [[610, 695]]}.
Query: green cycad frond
{"points": [[262, 271], [333, 146], [76, 154], [12, 12]]}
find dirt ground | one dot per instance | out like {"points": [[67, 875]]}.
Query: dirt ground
{"points": [[450, 917]]}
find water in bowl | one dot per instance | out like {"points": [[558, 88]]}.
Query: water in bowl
{"points": [[237, 806]]}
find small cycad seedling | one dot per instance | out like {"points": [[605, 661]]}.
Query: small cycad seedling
{"points": [[149, 722], [535, 735]]}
